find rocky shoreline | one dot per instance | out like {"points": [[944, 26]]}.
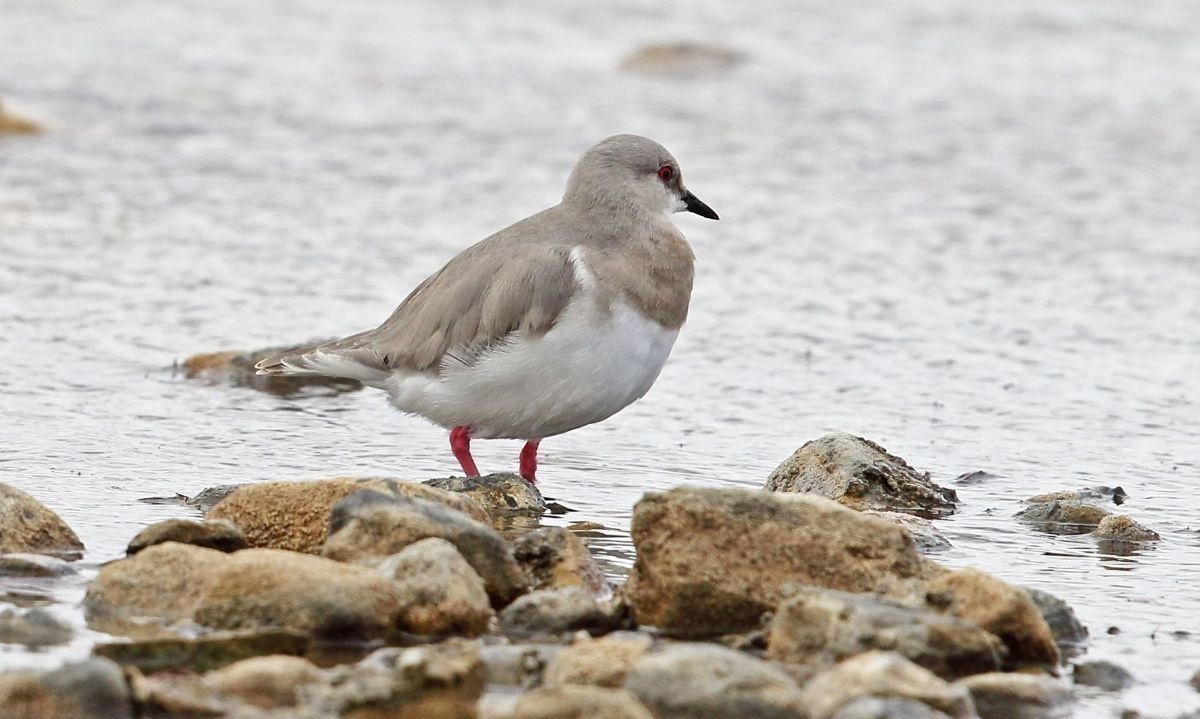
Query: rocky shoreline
{"points": [[819, 597]]}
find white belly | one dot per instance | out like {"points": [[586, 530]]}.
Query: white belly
{"points": [[590, 365]]}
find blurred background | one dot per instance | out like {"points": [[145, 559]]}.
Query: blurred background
{"points": [[967, 231]]}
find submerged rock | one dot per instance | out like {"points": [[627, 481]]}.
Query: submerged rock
{"points": [[928, 537], [27, 525], [579, 702], [817, 628], [603, 662], [501, 495], [1069, 633], [547, 612], [1027, 696], [34, 565], [1120, 528], [90, 689], [1099, 493], [862, 475], [706, 681], [369, 526], [11, 124], [203, 653], [236, 367], [296, 515], [712, 561], [682, 59], [1103, 674], [882, 675], [1063, 516], [210, 497], [33, 628], [219, 534], [440, 593], [555, 558]]}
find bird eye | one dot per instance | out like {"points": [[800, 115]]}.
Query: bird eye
{"points": [[665, 173]]}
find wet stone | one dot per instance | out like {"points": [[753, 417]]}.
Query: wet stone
{"points": [[555, 558], [28, 526], [209, 497], [1069, 633], [1120, 528], [266, 682], [32, 628], [579, 702], [517, 665], [1103, 674], [925, 533], [1098, 493], [91, 689], [1063, 516], [603, 662], [204, 653], [887, 676], [34, 565], [439, 591], [501, 495], [877, 708], [549, 612], [1028, 696], [862, 475], [219, 534]]}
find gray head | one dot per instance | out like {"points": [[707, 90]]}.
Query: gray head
{"points": [[633, 174]]}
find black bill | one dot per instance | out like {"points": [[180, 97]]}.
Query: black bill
{"points": [[694, 204]]}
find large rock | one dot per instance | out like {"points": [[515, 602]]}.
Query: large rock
{"points": [[712, 561], [603, 662], [884, 675], [91, 689], [438, 681], [547, 612], [1020, 696], [253, 588], [295, 515], [440, 593], [502, 495], [34, 628], [1063, 516], [706, 681], [1002, 609], [555, 558], [1069, 633], [203, 653], [861, 475], [817, 628], [369, 526], [579, 702], [1120, 528], [219, 534], [27, 525]]}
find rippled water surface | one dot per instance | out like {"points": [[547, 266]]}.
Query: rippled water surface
{"points": [[968, 231]]}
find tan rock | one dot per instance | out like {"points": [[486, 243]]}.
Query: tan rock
{"points": [[27, 525], [1001, 696], [860, 474], [580, 702], [266, 682], [162, 584], [547, 612], [91, 689], [555, 558], [1120, 528], [208, 651], [882, 674], [603, 662], [295, 515], [219, 534], [503, 495], [1063, 516], [440, 593], [712, 561]]}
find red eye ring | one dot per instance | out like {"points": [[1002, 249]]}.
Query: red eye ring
{"points": [[665, 173]]}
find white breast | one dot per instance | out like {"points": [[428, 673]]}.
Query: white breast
{"points": [[593, 362]]}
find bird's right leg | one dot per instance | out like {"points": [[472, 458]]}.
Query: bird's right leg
{"points": [[460, 445]]}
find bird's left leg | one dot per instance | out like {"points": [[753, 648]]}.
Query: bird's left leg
{"points": [[460, 445], [529, 460]]}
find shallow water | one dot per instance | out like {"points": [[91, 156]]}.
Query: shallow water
{"points": [[970, 233]]}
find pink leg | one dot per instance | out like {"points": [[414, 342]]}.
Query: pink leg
{"points": [[529, 460], [460, 445]]}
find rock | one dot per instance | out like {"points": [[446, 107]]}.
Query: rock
{"points": [[517, 665], [203, 653], [555, 558], [219, 534], [603, 662], [860, 474], [875, 708], [1023, 696], [237, 368], [1103, 674], [712, 561], [33, 565], [295, 515], [1002, 609], [438, 681], [555, 611], [682, 59], [34, 628], [1120, 528], [265, 682], [91, 689], [882, 675], [928, 537], [257, 588], [1099, 493], [1063, 516], [502, 494], [28, 526], [580, 702], [817, 628], [706, 681], [1069, 633], [370, 525], [11, 124], [253, 588], [440, 593], [211, 496]]}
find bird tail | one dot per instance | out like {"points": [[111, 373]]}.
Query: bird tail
{"points": [[351, 358]]}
